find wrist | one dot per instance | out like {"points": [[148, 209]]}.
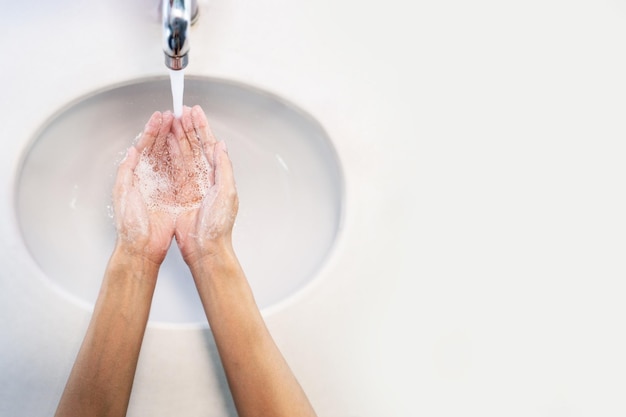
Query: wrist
{"points": [[204, 253], [217, 258], [221, 283], [127, 288], [132, 263]]}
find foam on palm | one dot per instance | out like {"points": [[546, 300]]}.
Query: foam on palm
{"points": [[168, 185]]}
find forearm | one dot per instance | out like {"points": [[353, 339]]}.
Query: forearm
{"points": [[101, 379], [260, 380]]}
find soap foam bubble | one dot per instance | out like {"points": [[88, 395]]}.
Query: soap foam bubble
{"points": [[168, 186]]}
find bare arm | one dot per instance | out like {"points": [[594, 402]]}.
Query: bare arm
{"points": [[101, 380], [261, 382]]}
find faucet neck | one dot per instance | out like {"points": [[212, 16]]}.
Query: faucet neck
{"points": [[177, 17]]}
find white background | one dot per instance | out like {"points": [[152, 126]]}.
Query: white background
{"points": [[480, 268]]}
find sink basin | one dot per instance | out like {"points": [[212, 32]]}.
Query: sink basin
{"points": [[288, 177]]}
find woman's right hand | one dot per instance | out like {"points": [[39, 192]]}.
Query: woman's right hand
{"points": [[141, 230], [204, 228]]}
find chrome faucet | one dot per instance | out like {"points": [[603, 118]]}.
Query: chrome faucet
{"points": [[177, 16]]}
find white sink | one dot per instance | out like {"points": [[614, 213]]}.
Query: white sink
{"points": [[288, 176]]}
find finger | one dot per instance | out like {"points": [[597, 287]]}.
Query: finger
{"points": [[150, 132], [184, 131], [201, 125], [184, 158], [174, 169], [166, 124], [125, 174], [186, 121], [177, 129], [205, 141], [224, 176], [191, 131], [128, 165], [166, 132], [175, 153], [196, 139], [203, 130], [159, 149]]}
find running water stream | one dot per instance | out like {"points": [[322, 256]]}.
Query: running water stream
{"points": [[177, 81]]}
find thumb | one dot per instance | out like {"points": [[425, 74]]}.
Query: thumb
{"points": [[224, 177], [126, 170]]}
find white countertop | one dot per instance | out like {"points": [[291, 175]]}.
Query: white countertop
{"points": [[480, 266]]}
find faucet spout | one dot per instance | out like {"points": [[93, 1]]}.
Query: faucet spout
{"points": [[177, 17]]}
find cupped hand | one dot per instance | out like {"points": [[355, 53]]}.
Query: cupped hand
{"points": [[143, 228], [211, 202]]}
